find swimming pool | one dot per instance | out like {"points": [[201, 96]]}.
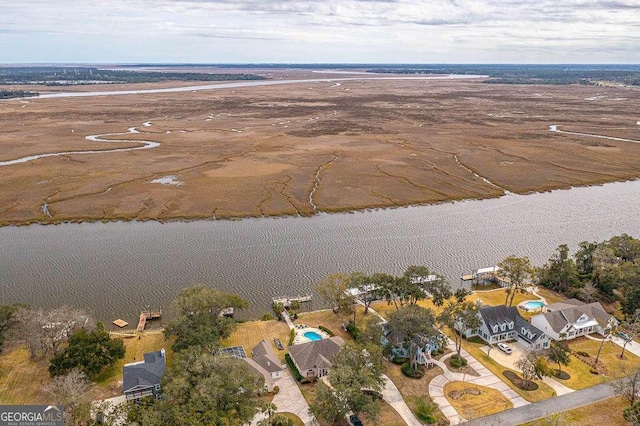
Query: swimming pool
{"points": [[531, 305], [312, 335]]}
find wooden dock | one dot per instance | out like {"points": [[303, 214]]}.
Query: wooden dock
{"points": [[147, 315], [286, 301]]}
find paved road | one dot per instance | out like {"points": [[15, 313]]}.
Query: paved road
{"points": [[546, 408]]}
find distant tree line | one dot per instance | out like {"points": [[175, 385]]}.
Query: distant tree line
{"points": [[59, 76], [8, 94], [608, 271], [529, 74]]}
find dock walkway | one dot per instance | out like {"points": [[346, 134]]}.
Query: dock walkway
{"points": [[147, 315]]}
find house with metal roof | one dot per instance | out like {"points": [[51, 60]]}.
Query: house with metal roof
{"points": [[573, 318], [142, 378], [504, 323], [313, 359]]}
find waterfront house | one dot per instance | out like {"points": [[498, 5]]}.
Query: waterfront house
{"points": [[265, 363], [142, 378], [313, 359], [573, 318], [425, 346], [504, 323]]}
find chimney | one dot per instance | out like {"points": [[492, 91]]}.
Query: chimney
{"points": [[479, 302]]}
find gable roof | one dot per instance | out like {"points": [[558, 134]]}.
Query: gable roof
{"points": [[265, 356], [258, 370], [145, 373], [318, 354], [564, 313], [498, 315]]}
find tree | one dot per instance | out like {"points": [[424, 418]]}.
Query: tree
{"points": [[368, 290], [278, 308], [46, 332], [354, 368], [71, 390], [516, 270], [89, 352], [333, 290], [373, 331], [560, 272], [387, 288], [628, 386], [268, 408], [632, 414], [203, 388], [198, 317], [460, 315], [559, 353], [632, 325], [281, 420], [295, 307], [584, 260], [605, 336], [7, 320], [533, 366], [419, 281], [411, 323]]}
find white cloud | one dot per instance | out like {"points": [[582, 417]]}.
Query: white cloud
{"points": [[320, 31]]}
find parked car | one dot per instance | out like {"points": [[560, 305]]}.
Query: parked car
{"points": [[354, 420], [505, 348], [624, 336]]}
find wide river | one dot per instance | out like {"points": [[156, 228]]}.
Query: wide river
{"points": [[116, 269]]}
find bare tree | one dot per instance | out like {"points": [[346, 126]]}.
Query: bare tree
{"points": [[633, 327], [72, 391], [533, 365], [46, 332], [628, 386]]}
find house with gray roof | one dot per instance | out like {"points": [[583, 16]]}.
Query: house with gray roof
{"points": [[142, 378], [266, 363], [504, 323], [573, 318], [313, 359]]}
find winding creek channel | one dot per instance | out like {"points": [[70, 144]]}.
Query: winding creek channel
{"points": [[116, 269]]}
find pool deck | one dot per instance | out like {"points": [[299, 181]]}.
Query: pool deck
{"points": [[303, 328]]}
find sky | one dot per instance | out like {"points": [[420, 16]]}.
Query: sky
{"points": [[322, 31]]}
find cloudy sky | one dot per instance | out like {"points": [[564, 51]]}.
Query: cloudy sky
{"points": [[380, 31]]}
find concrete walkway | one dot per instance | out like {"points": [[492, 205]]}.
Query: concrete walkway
{"points": [[486, 378], [546, 408], [392, 396], [289, 400]]}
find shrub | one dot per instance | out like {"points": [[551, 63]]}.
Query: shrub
{"points": [[408, 371], [326, 330], [276, 389], [292, 336], [293, 368], [583, 353], [594, 371], [425, 411], [399, 360], [353, 330], [267, 317], [457, 362]]}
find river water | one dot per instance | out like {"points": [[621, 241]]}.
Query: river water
{"points": [[116, 269]]}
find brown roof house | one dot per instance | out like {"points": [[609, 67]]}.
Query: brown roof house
{"points": [[313, 359], [572, 318], [265, 363]]}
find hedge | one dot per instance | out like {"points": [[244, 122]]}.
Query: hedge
{"points": [[292, 336], [326, 330], [293, 368]]}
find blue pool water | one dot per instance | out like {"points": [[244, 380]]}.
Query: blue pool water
{"points": [[534, 304], [312, 335]]}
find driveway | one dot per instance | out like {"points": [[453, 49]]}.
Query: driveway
{"points": [[289, 400], [519, 351]]}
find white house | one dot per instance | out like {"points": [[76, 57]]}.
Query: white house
{"points": [[504, 323], [265, 362], [573, 318]]}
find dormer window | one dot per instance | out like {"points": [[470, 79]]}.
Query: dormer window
{"points": [[503, 327], [511, 325], [495, 328], [523, 331]]}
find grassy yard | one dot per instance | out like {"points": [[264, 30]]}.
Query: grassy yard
{"points": [[135, 348], [413, 390], [609, 356], [249, 334], [543, 392], [21, 379], [607, 412], [489, 401]]}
